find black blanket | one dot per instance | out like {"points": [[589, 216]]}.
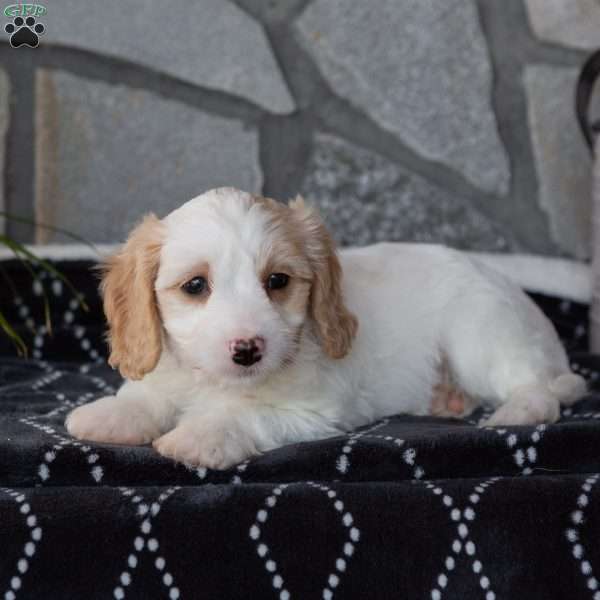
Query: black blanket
{"points": [[405, 508]]}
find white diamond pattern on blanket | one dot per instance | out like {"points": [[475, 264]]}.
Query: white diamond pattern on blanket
{"points": [[408, 455], [343, 461], [41, 331], [265, 552], [567, 413], [29, 550], [462, 545], [95, 468], [573, 534], [145, 540], [262, 549], [522, 446]]}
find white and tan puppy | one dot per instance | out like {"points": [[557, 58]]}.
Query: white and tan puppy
{"points": [[237, 333]]}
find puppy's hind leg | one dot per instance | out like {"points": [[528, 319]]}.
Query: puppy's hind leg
{"points": [[540, 402], [503, 349]]}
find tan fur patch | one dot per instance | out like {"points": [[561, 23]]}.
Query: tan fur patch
{"points": [[447, 399], [130, 303], [306, 242], [286, 252], [294, 296]]}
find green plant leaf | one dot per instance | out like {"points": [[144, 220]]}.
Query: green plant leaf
{"points": [[9, 281], [13, 335], [26, 256], [25, 263], [19, 248]]}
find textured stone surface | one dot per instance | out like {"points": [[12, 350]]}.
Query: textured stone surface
{"points": [[4, 120], [107, 154], [563, 161], [571, 22], [211, 43], [365, 198], [594, 111], [419, 69]]}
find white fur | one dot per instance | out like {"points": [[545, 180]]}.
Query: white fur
{"points": [[414, 303]]}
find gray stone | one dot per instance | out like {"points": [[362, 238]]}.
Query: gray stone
{"points": [[105, 155], [364, 198], [594, 112], [4, 120], [562, 160], [573, 23], [212, 43], [421, 70]]}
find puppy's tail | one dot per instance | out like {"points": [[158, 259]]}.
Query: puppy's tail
{"points": [[568, 388]]}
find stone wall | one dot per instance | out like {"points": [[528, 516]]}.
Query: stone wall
{"points": [[438, 120]]}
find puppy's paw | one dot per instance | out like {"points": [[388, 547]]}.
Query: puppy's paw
{"points": [[112, 421], [212, 447], [528, 405]]}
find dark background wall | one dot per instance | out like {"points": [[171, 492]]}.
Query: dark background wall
{"points": [[437, 120]]}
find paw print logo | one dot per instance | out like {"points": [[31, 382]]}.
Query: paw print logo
{"points": [[24, 32]]}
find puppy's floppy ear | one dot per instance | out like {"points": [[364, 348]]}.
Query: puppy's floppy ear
{"points": [[336, 325], [130, 303]]}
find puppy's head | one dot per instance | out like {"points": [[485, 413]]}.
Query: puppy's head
{"points": [[227, 282]]}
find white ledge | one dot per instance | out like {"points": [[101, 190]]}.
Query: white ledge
{"points": [[546, 275]]}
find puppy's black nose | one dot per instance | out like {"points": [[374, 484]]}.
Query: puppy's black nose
{"points": [[245, 352]]}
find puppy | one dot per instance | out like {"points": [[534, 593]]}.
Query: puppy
{"points": [[236, 333]]}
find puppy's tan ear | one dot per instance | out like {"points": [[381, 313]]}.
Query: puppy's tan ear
{"points": [[336, 325], [130, 302]]}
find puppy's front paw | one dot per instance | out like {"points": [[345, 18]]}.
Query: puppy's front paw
{"points": [[111, 421], [212, 447]]}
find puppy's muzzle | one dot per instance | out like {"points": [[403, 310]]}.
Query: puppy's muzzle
{"points": [[246, 352]]}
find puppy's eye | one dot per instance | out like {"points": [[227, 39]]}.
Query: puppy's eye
{"points": [[195, 286], [276, 281]]}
